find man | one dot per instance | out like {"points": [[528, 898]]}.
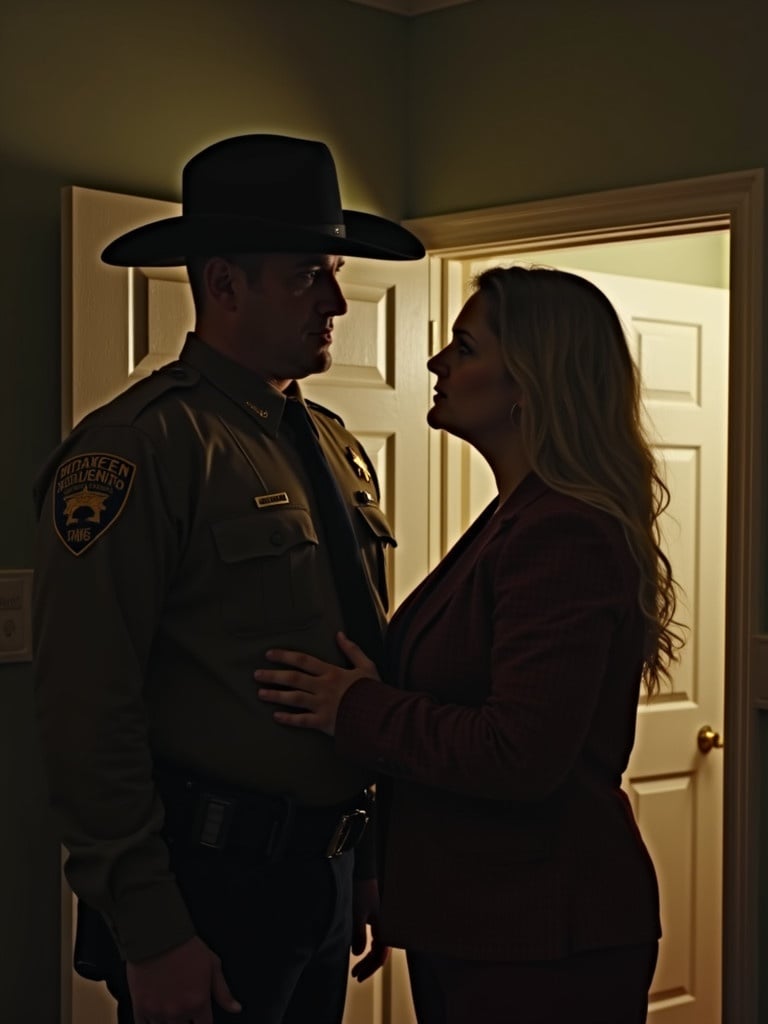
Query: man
{"points": [[186, 528]]}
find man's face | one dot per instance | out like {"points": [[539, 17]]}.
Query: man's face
{"points": [[285, 314]]}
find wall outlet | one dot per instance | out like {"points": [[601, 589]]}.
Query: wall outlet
{"points": [[15, 615]]}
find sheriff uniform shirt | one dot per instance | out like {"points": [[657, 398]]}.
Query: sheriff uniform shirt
{"points": [[179, 540]]}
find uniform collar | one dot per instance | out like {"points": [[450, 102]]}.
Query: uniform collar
{"points": [[263, 403]]}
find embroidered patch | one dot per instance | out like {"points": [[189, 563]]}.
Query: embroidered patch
{"points": [[89, 495]]}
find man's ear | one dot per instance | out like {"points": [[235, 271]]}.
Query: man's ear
{"points": [[220, 284]]}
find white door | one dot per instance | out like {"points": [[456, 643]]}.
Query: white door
{"points": [[679, 339], [121, 324]]}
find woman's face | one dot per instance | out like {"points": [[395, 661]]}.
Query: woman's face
{"points": [[474, 392]]}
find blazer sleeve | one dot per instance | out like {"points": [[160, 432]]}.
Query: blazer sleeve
{"points": [[558, 594]]}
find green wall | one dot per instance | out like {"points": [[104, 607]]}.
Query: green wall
{"points": [[701, 259], [512, 101], [118, 96], [485, 103]]}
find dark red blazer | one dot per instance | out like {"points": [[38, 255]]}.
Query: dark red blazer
{"points": [[501, 745]]}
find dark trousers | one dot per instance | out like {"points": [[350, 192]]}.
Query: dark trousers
{"points": [[608, 986], [282, 931]]}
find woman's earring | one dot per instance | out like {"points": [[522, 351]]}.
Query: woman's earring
{"points": [[513, 410]]}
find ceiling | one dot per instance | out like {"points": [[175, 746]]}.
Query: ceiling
{"points": [[410, 8]]}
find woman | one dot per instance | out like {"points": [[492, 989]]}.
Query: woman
{"points": [[512, 870]]}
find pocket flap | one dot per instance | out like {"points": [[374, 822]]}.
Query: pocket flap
{"points": [[263, 534], [377, 522]]}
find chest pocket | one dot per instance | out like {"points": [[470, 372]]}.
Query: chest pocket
{"points": [[376, 540], [268, 571]]}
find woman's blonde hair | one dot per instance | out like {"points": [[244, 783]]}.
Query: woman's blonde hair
{"points": [[564, 345]]}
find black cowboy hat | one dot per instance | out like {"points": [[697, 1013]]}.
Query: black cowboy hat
{"points": [[261, 193]]}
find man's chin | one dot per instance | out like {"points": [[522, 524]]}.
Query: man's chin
{"points": [[323, 361], [321, 364]]}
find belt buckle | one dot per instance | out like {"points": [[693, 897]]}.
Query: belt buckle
{"points": [[347, 833]]}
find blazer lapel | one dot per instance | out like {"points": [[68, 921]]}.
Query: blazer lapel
{"points": [[428, 600]]}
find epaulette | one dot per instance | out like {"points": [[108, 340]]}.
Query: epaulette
{"points": [[126, 407], [121, 411], [326, 412]]}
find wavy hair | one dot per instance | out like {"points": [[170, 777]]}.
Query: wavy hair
{"points": [[563, 343]]}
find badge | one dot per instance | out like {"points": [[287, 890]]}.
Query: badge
{"points": [[359, 464], [89, 495]]}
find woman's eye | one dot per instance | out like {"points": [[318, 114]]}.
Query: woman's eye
{"points": [[464, 349]]}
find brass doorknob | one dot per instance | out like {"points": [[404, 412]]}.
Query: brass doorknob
{"points": [[708, 738]]}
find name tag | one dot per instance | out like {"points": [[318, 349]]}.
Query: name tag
{"points": [[267, 500]]}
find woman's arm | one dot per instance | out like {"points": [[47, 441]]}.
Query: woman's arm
{"points": [[558, 594]]}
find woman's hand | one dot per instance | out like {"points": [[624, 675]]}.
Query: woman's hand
{"points": [[312, 686]]}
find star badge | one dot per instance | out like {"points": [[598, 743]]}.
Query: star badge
{"points": [[359, 464]]}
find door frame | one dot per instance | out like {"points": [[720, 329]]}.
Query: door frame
{"points": [[733, 201]]}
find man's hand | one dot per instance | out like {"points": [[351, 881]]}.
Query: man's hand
{"points": [[365, 912], [177, 987]]}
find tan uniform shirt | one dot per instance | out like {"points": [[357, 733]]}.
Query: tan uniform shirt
{"points": [[179, 540]]}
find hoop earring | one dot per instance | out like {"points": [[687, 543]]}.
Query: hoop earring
{"points": [[513, 410]]}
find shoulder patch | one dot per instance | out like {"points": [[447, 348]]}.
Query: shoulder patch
{"points": [[326, 412], [89, 494]]}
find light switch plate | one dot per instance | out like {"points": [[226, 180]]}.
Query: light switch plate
{"points": [[15, 615]]}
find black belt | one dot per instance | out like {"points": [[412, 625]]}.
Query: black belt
{"points": [[216, 816]]}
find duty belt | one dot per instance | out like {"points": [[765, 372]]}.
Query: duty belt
{"points": [[219, 817]]}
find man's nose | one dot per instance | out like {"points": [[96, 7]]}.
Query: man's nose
{"points": [[334, 303]]}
